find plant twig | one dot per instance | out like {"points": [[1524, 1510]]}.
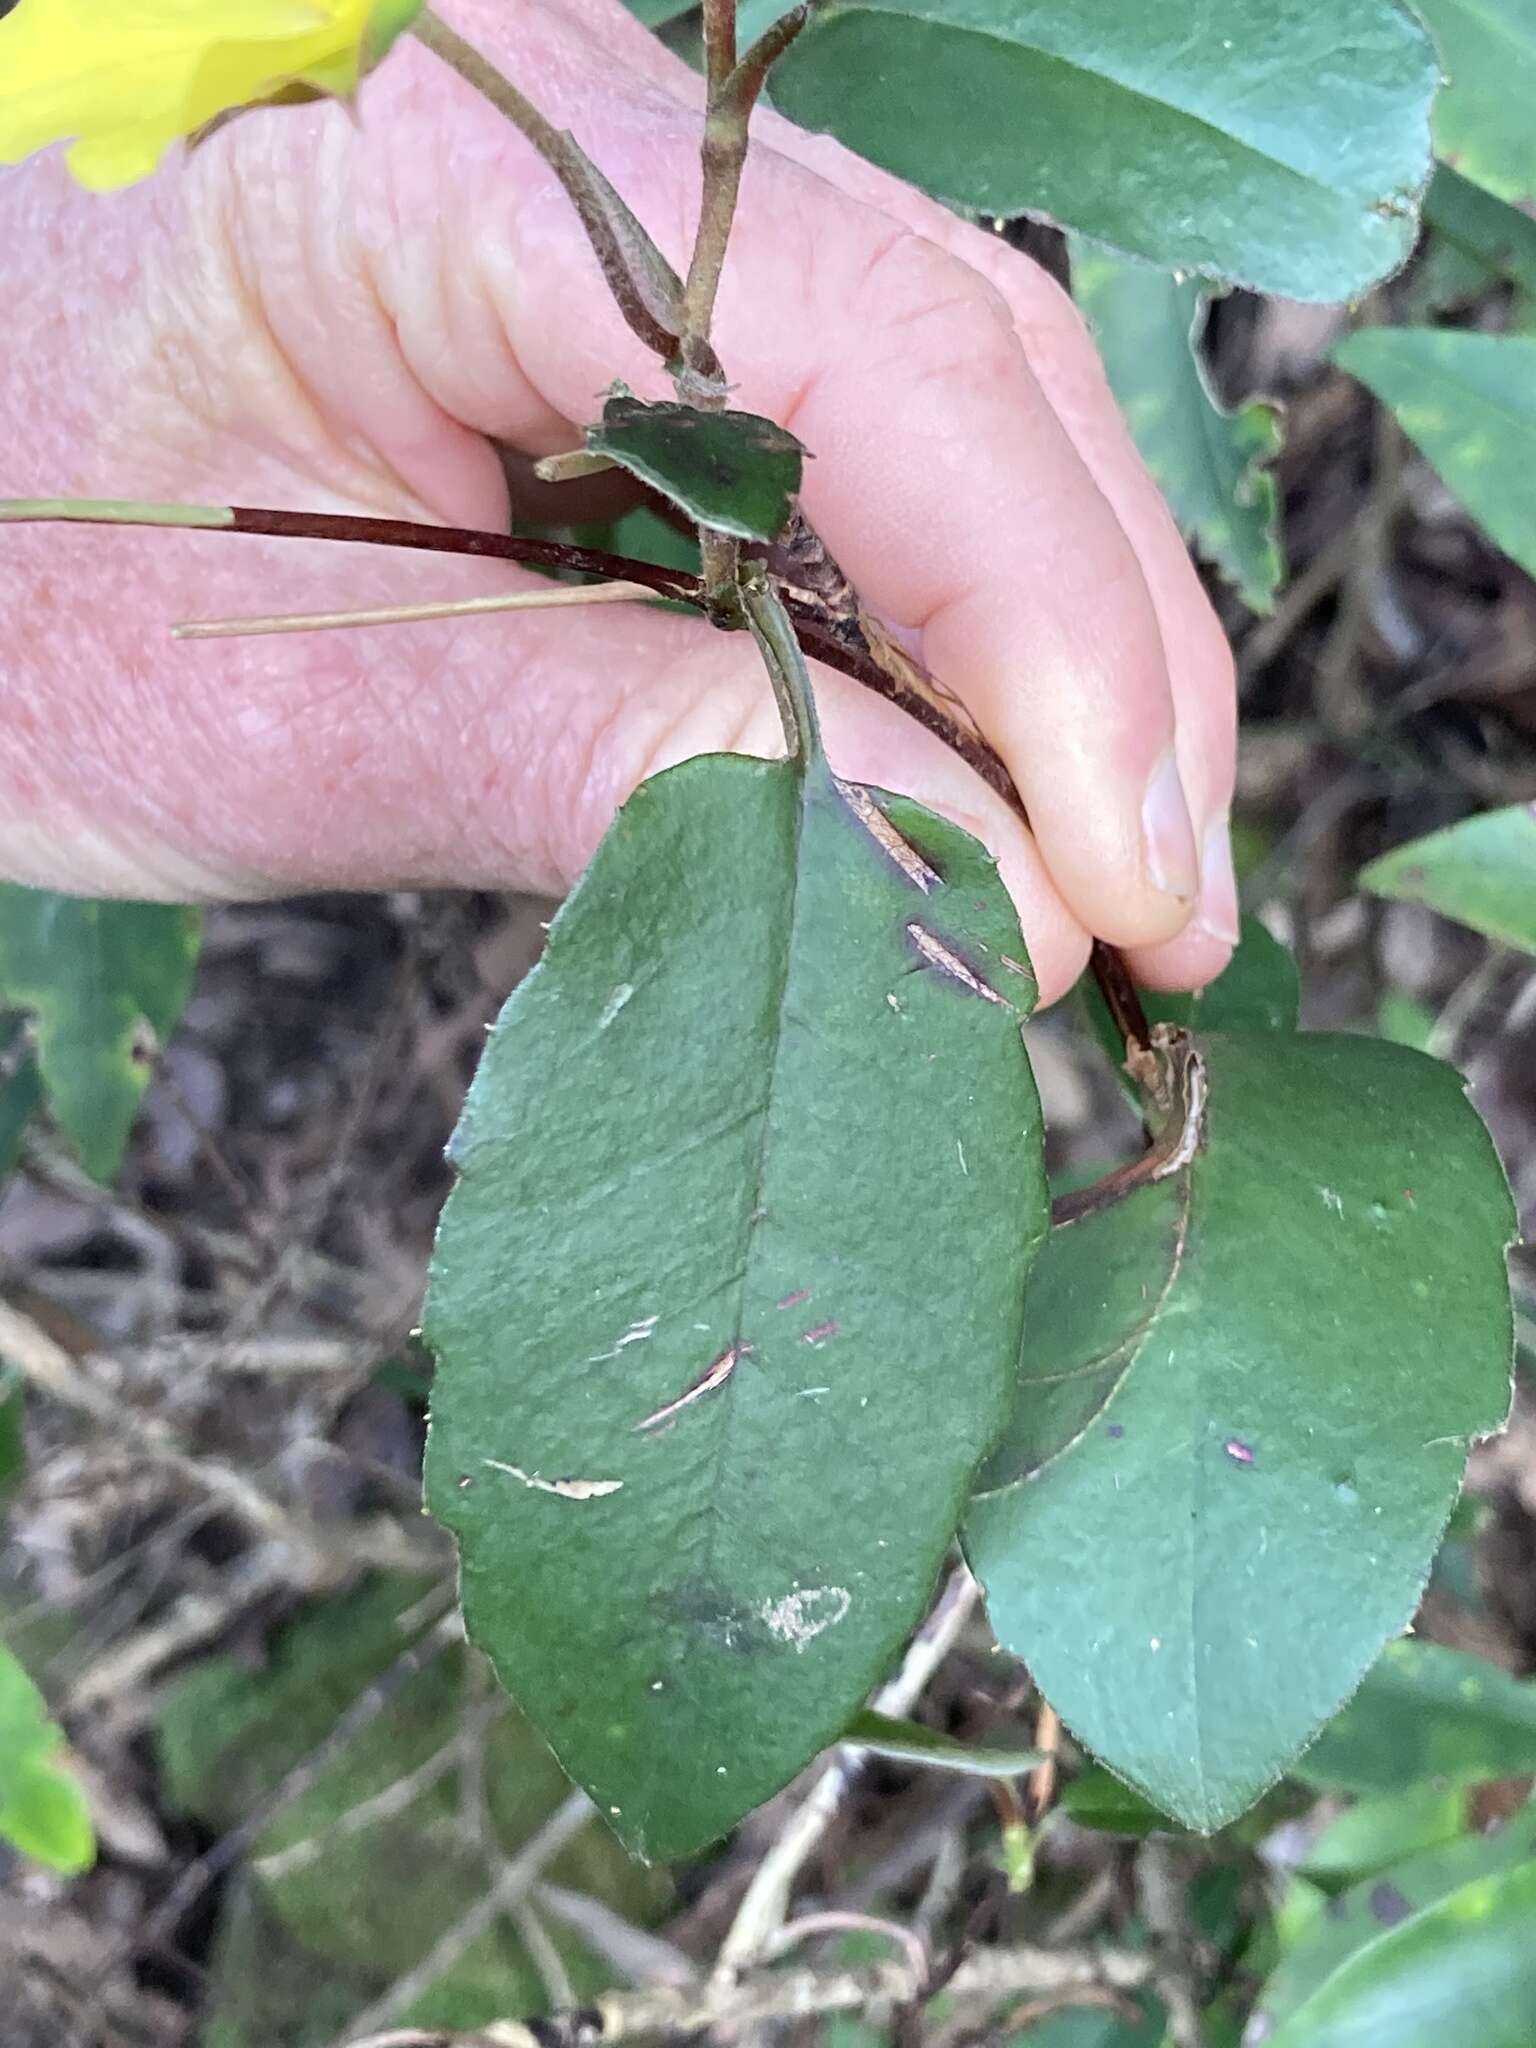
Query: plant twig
{"points": [[1030, 2011], [1464, 1003], [819, 634], [1162, 1894], [766, 1901], [557, 597], [259, 1357], [359, 528], [295, 1782], [666, 2014], [719, 35], [1171, 1074], [296, 1552], [642, 1957], [1301, 597], [942, 1889], [517, 1878], [734, 89], [120, 1677], [1040, 1786], [542, 1953], [395, 1798], [207, 1868], [46, 1365], [1121, 997], [808, 1926]]}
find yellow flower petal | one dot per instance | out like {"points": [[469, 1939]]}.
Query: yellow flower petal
{"points": [[127, 78]]}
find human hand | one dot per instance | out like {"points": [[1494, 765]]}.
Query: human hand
{"points": [[323, 313]]}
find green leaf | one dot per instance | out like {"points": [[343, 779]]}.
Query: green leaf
{"points": [[1446, 278], [46, 1818], [657, 13], [103, 984], [1357, 1917], [1211, 464], [1483, 123], [1482, 872], [1097, 1799], [359, 1876], [26, 1733], [645, 536], [727, 1300], [1424, 1712], [909, 1742], [730, 470], [1282, 146], [1499, 239], [1405, 1020], [1259, 989], [1376, 1832], [42, 1810], [21, 1091], [754, 18], [1094, 1295], [1462, 1970], [851, 2030], [1324, 1324], [1086, 2027], [1469, 402]]}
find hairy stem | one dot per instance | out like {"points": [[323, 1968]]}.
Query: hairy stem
{"points": [[719, 42], [720, 559], [734, 89], [724, 152]]}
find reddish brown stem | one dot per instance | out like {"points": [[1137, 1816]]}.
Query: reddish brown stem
{"points": [[460, 540], [1120, 994], [819, 639]]}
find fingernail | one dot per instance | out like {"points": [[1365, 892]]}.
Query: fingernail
{"points": [[1169, 836], [1218, 913]]}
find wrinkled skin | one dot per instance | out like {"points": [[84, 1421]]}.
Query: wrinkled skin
{"points": [[336, 313]]}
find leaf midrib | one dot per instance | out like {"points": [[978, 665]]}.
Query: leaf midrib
{"points": [[707, 1514]]}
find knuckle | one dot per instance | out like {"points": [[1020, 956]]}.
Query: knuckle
{"points": [[927, 300]]}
